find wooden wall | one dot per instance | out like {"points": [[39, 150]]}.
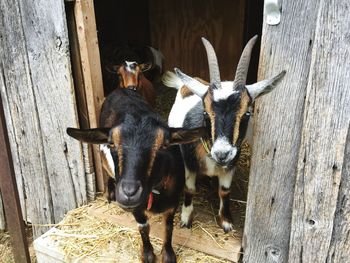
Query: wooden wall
{"points": [[298, 199], [177, 27], [121, 22], [38, 97]]}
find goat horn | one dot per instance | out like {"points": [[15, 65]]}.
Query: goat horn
{"points": [[243, 64], [214, 72]]}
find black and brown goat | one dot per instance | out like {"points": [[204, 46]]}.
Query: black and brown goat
{"points": [[131, 77], [225, 105], [141, 153]]}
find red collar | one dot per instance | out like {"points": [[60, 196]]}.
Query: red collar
{"points": [[164, 185], [150, 201]]}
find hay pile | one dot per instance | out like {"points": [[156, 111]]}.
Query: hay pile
{"points": [[88, 238], [6, 255]]}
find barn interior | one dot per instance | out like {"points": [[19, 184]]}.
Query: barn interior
{"points": [[175, 28], [126, 30]]}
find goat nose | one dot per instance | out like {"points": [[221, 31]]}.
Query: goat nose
{"points": [[130, 188], [221, 156]]}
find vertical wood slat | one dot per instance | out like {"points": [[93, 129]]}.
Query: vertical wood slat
{"points": [[8, 187], [91, 68], [277, 132], [339, 250], [17, 76], [82, 106], [38, 97], [324, 137]]}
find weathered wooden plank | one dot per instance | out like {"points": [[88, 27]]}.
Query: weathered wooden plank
{"points": [[38, 95], [2, 215], [16, 89], [82, 107], [91, 68], [277, 132], [17, 76], [326, 123], [177, 27], [339, 250]]}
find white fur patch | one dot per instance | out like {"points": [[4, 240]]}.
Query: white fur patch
{"points": [[227, 226], [221, 147], [190, 180], [225, 91], [211, 166], [170, 79], [186, 214], [180, 109], [225, 179], [142, 225], [128, 66], [107, 152]]}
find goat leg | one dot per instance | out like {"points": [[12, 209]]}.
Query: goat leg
{"points": [[168, 254], [187, 207], [224, 194], [147, 253]]}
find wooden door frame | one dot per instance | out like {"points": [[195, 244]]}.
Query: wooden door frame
{"points": [[87, 73]]}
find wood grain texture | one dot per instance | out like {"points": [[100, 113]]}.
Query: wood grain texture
{"points": [[91, 69], [80, 95], [339, 250], [177, 28], [277, 132], [324, 137], [38, 94]]}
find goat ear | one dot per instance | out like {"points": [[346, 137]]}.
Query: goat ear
{"points": [[96, 136], [112, 69], [194, 85], [182, 136], [265, 86], [145, 66]]}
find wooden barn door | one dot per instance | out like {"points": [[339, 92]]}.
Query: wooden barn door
{"points": [[298, 201], [38, 96]]}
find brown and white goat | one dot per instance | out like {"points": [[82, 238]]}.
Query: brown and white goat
{"points": [[142, 154], [131, 77], [226, 114]]}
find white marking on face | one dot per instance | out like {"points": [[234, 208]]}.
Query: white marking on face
{"points": [[186, 213], [225, 91], [107, 152], [190, 180], [222, 151], [180, 109], [128, 66]]}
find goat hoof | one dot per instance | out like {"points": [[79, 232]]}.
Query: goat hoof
{"points": [[226, 226], [168, 256], [148, 257], [185, 224]]}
